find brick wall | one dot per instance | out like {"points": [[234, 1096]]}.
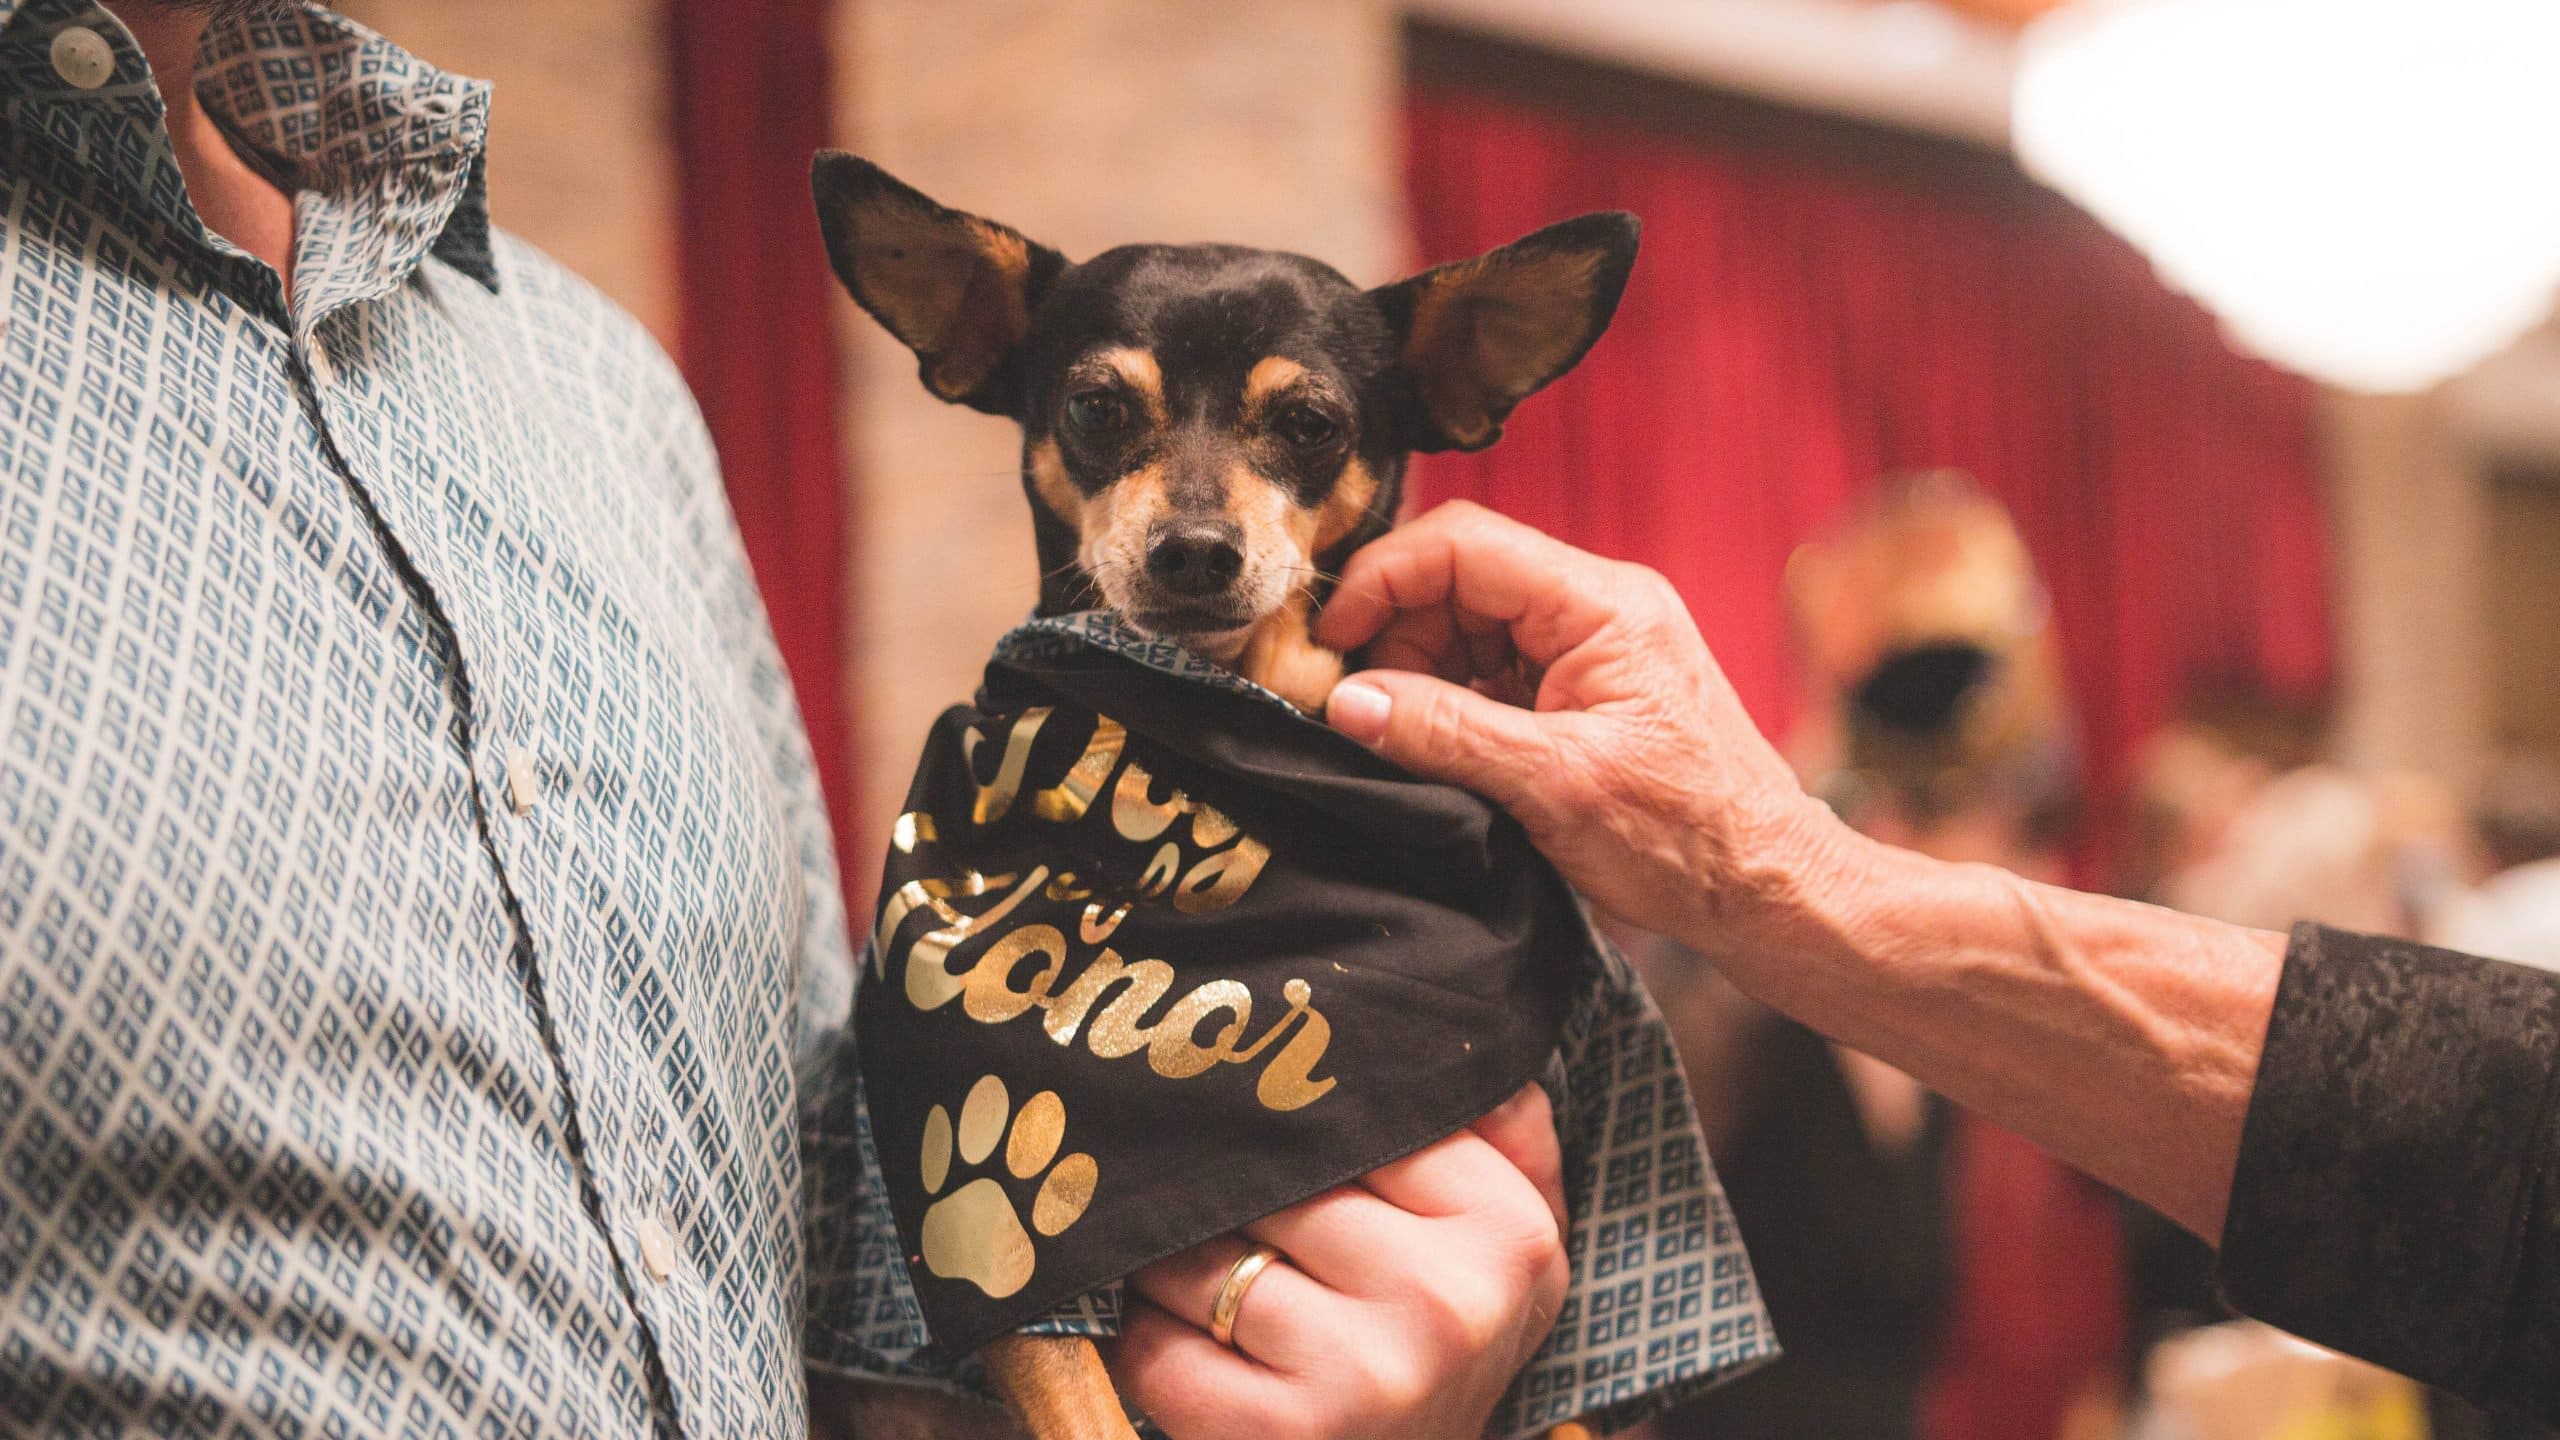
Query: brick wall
{"points": [[578, 159]]}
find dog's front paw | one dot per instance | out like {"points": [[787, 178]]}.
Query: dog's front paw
{"points": [[1305, 677], [1283, 659], [975, 1233]]}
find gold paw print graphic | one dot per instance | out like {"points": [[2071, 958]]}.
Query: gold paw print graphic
{"points": [[974, 1233]]}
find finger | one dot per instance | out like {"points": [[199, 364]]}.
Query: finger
{"points": [[1490, 652], [1193, 1387], [1523, 1131], [1462, 1175], [1435, 640], [1345, 1239], [1424, 640], [1544, 591], [1413, 566], [1446, 732], [1464, 1180], [1285, 1313]]}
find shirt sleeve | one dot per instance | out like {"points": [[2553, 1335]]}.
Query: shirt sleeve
{"points": [[2397, 1195]]}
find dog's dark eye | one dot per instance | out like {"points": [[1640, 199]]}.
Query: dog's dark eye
{"points": [[1096, 412], [1306, 427]]}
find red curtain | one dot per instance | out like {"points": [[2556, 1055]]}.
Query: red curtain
{"points": [[1795, 329], [749, 90]]}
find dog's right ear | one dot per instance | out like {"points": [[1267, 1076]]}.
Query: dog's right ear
{"points": [[955, 289]]}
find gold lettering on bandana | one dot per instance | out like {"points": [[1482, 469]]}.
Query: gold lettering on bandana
{"points": [[934, 894], [996, 796], [1109, 999], [929, 978], [1066, 801], [1216, 882]]}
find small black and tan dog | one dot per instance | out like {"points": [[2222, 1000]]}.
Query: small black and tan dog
{"points": [[1208, 432]]}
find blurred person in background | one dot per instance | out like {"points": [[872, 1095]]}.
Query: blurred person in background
{"points": [[1835, 1165], [1930, 1273], [2372, 853], [2188, 789], [2514, 914]]}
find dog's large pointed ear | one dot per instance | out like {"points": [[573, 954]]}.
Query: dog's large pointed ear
{"points": [[1482, 335], [957, 290]]}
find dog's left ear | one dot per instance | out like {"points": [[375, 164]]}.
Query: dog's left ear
{"points": [[957, 290], [1482, 335]]}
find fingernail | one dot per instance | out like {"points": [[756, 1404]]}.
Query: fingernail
{"points": [[1359, 711]]}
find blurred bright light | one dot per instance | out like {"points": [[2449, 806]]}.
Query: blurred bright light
{"points": [[1916, 34], [2367, 191]]}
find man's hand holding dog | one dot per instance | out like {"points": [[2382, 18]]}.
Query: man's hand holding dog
{"points": [[1402, 1308]]}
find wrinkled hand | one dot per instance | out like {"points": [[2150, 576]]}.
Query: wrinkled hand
{"points": [[1402, 1307], [1576, 693]]}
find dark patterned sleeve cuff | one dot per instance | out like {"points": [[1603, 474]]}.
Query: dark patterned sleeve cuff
{"points": [[2394, 1194]]}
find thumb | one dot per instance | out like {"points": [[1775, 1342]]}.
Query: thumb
{"points": [[1444, 732], [1523, 1129]]}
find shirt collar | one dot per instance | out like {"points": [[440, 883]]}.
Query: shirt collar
{"points": [[345, 113]]}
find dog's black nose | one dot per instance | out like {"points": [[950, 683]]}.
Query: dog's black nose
{"points": [[1194, 557]]}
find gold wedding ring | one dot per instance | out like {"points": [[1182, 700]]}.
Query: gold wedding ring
{"points": [[1240, 1277]]}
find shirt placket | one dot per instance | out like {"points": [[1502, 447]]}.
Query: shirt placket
{"points": [[517, 795]]}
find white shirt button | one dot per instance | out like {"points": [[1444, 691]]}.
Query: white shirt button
{"points": [[82, 57], [657, 1249], [524, 784], [323, 373]]}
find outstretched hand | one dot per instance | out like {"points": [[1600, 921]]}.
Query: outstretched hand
{"points": [[1576, 693]]}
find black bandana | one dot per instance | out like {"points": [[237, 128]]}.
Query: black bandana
{"points": [[1156, 958]]}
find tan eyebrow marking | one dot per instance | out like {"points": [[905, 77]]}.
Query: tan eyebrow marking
{"points": [[1138, 370], [1270, 375]]}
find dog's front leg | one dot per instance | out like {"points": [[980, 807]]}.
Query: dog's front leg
{"points": [[1056, 1383], [1283, 658]]}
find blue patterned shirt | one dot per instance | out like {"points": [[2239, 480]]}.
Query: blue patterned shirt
{"points": [[410, 866]]}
